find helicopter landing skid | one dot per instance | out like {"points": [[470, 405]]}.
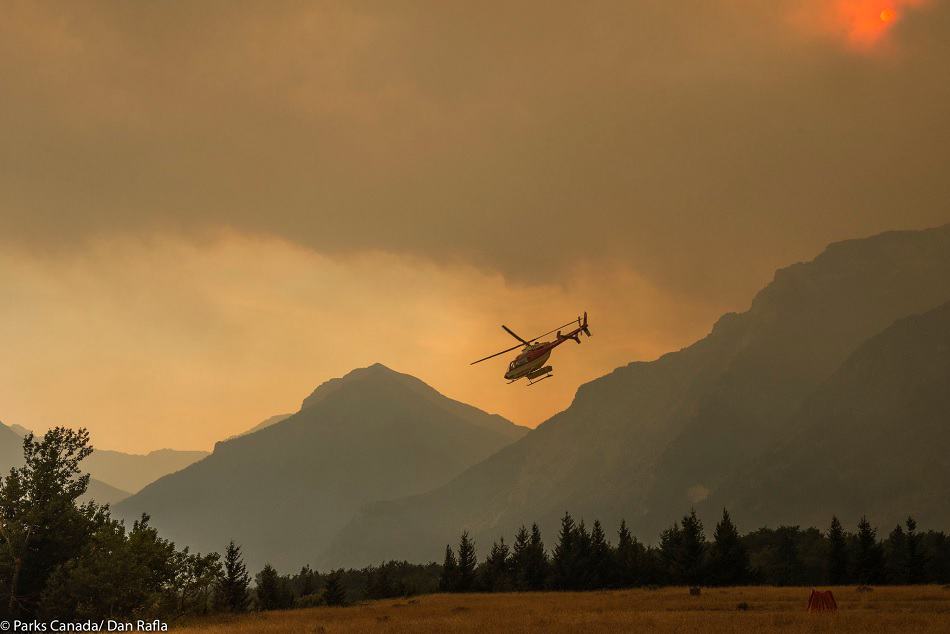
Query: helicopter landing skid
{"points": [[546, 376]]}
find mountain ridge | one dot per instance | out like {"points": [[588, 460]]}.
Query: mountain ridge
{"points": [[649, 439], [283, 490]]}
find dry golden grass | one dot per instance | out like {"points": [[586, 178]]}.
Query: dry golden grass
{"points": [[885, 609]]}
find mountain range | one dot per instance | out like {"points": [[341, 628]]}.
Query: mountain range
{"points": [[115, 475], [285, 490], [789, 398], [827, 396]]}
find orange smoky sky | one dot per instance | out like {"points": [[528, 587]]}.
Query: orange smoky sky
{"points": [[863, 25], [210, 208]]}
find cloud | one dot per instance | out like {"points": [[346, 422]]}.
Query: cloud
{"points": [[208, 208], [702, 147], [161, 342]]}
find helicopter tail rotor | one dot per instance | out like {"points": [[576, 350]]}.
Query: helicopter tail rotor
{"points": [[583, 325]]}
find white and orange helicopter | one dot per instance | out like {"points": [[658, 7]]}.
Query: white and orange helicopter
{"points": [[529, 363]]}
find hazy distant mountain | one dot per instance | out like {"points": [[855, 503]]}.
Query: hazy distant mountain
{"points": [[131, 472], [261, 425], [11, 448], [114, 474], [11, 455], [20, 430], [651, 439], [103, 493], [284, 491], [874, 439]]}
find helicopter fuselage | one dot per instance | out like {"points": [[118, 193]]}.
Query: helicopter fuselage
{"points": [[530, 360]]}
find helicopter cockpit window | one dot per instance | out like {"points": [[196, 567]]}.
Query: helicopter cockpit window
{"points": [[511, 366]]}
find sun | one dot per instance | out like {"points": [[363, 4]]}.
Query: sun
{"points": [[888, 15]]}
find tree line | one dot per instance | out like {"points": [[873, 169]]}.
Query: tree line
{"points": [[68, 560], [585, 559], [71, 561]]}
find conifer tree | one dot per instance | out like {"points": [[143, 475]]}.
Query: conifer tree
{"points": [[496, 573], [938, 560], [729, 560], [599, 558], [837, 554], [380, 584], [565, 554], [868, 563], [520, 556], [272, 591], [914, 558], [537, 568], [669, 555], [692, 550], [895, 551], [333, 592], [304, 582], [466, 564], [232, 589], [580, 570], [788, 563], [448, 581], [628, 559]]}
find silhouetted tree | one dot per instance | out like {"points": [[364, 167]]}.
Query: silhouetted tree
{"points": [[580, 567], [729, 560], [787, 568], [42, 526], [496, 572], [273, 591], [914, 559], [537, 565], [467, 563], [868, 561], [565, 554], [520, 553], [381, 584], [198, 577], [333, 592], [232, 587], [599, 558], [669, 555], [629, 559], [837, 554], [305, 582], [691, 550], [895, 556], [937, 562], [116, 573], [448, 581]]}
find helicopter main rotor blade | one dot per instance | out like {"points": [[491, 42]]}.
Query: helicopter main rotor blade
{"points": [[512, 333], [570, 323], [496, 354]]}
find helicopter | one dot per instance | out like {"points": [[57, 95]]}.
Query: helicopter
{"points": [[529, 363]]}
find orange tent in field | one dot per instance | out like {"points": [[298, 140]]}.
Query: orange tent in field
{"points": [[822, 601]]}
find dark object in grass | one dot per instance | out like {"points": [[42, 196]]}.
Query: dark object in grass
{"points": [[743, 607], [822, 601], [864, 589], [694, 591]]}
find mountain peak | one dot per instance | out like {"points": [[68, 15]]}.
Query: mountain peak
{"points": [[376, 372], [372, 434]]}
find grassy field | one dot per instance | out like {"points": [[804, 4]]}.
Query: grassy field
{"points": [[885, 609]]}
